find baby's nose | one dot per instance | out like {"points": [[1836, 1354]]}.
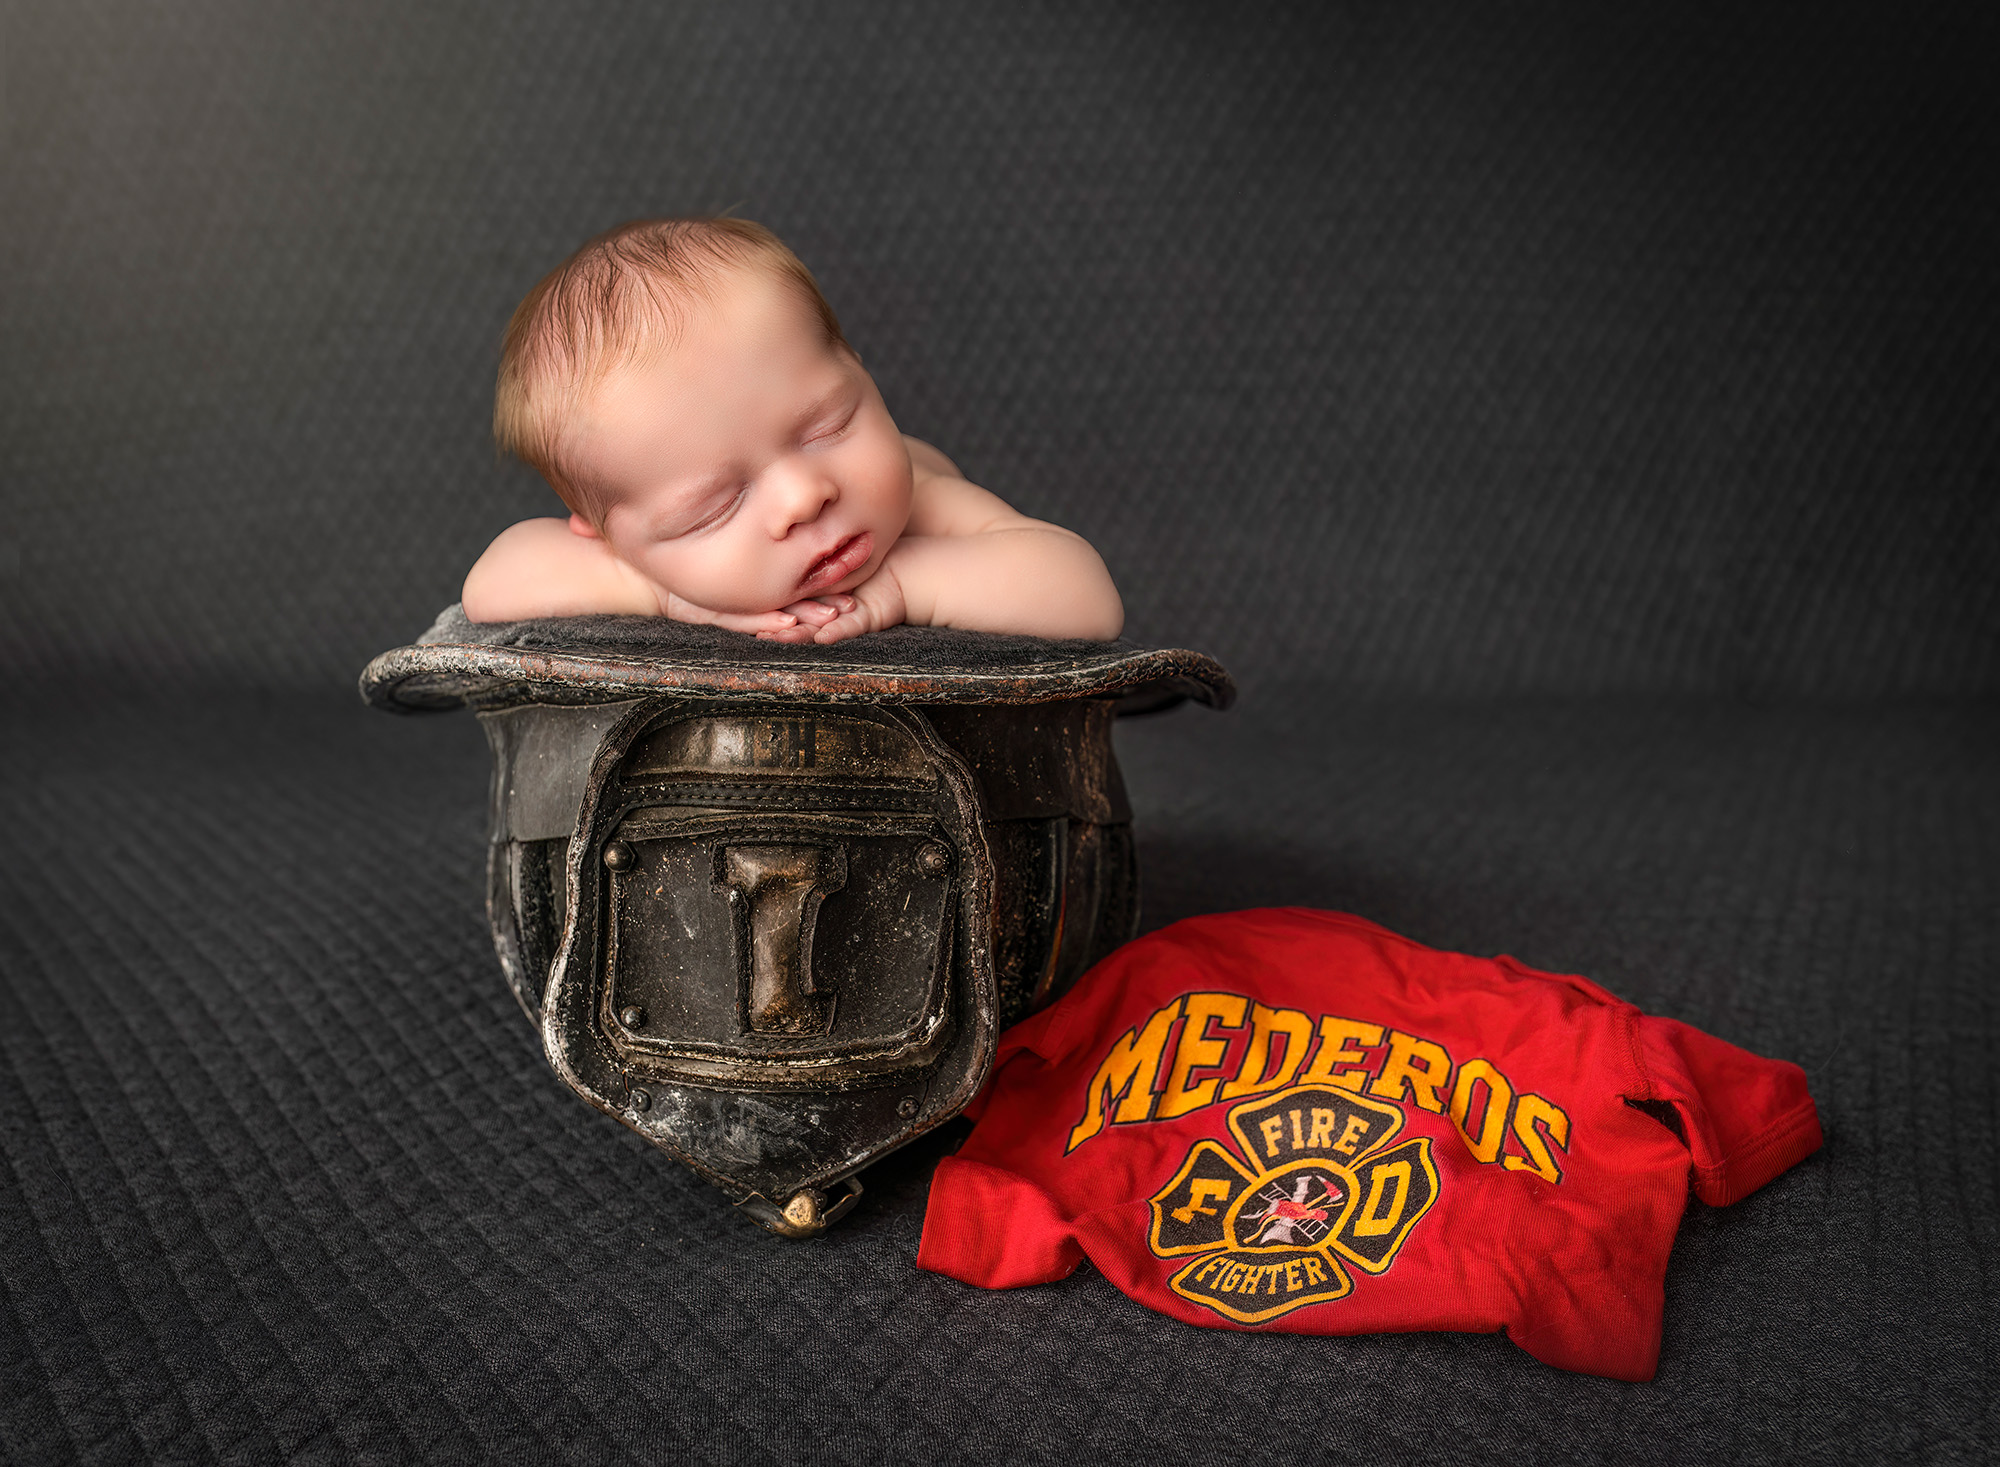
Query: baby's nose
{"points": [[802, 493]]}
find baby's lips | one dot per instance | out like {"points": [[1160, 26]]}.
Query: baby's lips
{"points": [[845, 558]]}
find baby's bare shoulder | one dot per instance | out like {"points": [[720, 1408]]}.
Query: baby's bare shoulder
{"points": [[929, 460], [542, 568], [949, 504]]}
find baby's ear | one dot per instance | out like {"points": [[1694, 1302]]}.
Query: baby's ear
{"points": [[578, 525]]}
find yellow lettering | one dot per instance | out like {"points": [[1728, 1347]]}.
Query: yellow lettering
{"points": [[1292, 1284], [1531, 1115], [1314, 1273], [1257, 1073], [1499, 1097], [1373, 1222], [1199, 1049], [1131, 1071], [1203, 1189], [1214, 1263], [1322, 1131], [1272, 1128], [1414, 1064], [1298, 1136], [1335, 1033], [1350, 1138]]}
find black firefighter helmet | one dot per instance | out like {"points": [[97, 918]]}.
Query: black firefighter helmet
{"points": [[770, 906]]}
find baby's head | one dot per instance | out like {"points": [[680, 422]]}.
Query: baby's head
{"points": [[685, 388]]}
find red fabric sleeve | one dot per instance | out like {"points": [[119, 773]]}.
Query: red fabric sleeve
{"points": [[989, 1227], [1747, 1118]]}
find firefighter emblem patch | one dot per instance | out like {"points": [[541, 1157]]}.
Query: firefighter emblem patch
{"points": [[1312, 1189]]}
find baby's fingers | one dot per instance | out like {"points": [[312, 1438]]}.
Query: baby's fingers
{"points": [[762, 623], [818, 612], [789, 634], [848, 624]]}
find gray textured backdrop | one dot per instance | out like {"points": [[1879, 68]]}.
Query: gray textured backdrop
{"points": [[1459, 349]]}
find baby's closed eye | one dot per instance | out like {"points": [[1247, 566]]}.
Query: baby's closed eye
{"points": [[830, 426], [713, 513]]}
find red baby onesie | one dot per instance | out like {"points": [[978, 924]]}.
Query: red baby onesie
{"points": [[1298, 1120]]}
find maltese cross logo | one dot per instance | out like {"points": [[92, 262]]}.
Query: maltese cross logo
{"points": [[1292, 1217], [1312, 1190]]}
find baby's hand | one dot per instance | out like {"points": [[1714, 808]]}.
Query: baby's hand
{"points": [[806, 618], [876, 603], [761, 622], [782, 626]]}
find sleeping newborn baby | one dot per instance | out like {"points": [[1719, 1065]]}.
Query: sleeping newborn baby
{"points": [[686, 389]]}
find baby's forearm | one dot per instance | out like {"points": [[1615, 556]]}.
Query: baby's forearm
{"points": [[1035, 581]]}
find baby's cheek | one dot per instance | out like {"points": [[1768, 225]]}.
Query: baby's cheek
{"points": [[662, 579], [744, 580]]}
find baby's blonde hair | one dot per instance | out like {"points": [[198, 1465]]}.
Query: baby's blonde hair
{"points": [[622, 296]]}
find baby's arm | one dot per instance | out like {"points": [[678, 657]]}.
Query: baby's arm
{"points": [[550, 567], [541, 568], [968, 560]]}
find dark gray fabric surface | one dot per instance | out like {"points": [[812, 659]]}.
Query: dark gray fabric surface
{"points": [[287, 1178], [1442, 347]]}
